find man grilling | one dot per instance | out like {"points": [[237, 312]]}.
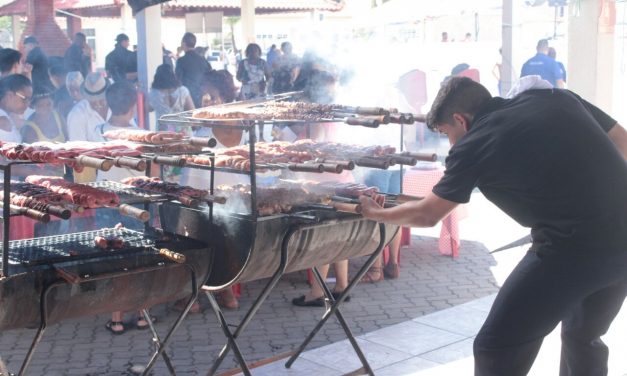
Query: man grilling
{"points": [[554, 163]]}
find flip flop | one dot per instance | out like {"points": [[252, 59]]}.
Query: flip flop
{"points": [[301, 302], [336, 296], [110, 324], [146, 326]]}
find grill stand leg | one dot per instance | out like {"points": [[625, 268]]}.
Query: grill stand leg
{"points": [[157, 341], [230, 337], [334, 309], [161, 345], [251, 312], [43, 312]]}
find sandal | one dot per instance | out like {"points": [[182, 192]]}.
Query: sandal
{"points": [[180, 304], [336, 296], [145, 325], [230, 304], [392, 271], [373, 275], [110, 324], [301, 302]]}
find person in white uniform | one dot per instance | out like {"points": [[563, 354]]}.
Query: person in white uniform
{"points": [[16, 92]]}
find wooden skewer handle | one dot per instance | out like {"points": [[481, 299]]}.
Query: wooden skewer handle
{"points": [[59, 211], [100, 164], [171, 255], [187, 201], [171, 161], [346, 207], [203, 141], [32, 214], [374, 163], [371, 111], [133, 163], [363, 121], [216, 199], [332, 167], [305, 167], [427, 157], [133, 212]]}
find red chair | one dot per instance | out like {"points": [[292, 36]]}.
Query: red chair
{"points": [[471, 73], [413, 86]]}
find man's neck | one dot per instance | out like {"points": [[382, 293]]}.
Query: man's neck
{"points": [[120, 121]]}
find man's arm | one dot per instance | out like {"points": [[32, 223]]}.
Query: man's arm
{"points": [[618, 135], [424, 213]]}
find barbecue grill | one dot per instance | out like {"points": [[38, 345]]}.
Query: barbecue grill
{"points": [[252, 246], [49, 279]]}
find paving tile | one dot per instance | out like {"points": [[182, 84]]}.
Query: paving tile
{"points": [[413, 337], [450, 353], [460, 320], [406, 367], [342, 356], [301, 367], [482, 304]]}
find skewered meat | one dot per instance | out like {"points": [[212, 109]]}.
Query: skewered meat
{"points": [[111, 242], [282, 197], [157, 185], [287, 152], [78, 194], [147, 137]]}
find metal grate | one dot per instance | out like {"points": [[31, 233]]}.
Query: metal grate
{"points": [[128, 194], [69, 247]]}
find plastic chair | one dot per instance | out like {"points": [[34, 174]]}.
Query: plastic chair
{"points": [[413, 86], [471, 73]]}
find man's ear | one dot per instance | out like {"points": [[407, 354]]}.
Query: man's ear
{"points": [[461, 119]]}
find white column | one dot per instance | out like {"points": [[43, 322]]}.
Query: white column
{"points": [[591, 51], [248, 21], [17, 34], [511, 36], [126, 17], [149, 54]]}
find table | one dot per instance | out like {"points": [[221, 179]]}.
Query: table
{"points": [[420, 182]]}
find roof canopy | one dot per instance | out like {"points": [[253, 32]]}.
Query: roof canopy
{"points": [[178, 8]]}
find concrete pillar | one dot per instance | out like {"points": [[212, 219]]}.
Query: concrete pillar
{"points": [[248, 21], [591, 50], [511, 36], [149, 53], [74, 25], [17, 32]]}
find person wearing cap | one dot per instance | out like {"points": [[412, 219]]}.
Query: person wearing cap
{"points": [[121, 64], [88, 113], [191, 68], [542, 65], [78, 56], [37, 59], [555, 163]]}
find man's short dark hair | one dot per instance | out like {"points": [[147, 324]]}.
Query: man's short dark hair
{"points": [[457, 95], [189, 40], [121, 97], [31, 40], [8, 58], [80, 36], [57, 70], [542, 43]]}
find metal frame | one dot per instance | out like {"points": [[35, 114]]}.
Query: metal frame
{"points": [[333, 307], [160, 345]]}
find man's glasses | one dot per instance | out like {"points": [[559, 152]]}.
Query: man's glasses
{"points": [[23, 97]]}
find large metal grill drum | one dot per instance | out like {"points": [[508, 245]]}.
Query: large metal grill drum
{"points": [[129, 279], [248, 249]]}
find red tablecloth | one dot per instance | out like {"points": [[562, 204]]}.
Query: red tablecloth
{"points": [[419, 183]]}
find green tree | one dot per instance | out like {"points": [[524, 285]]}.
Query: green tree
{"points": [[232, 21]]}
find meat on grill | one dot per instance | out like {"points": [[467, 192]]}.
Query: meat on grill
{"points": [[111, 242], [78, 194], [269, 111], [147, 137], [289, 152], [157, 185], [282, 197]]}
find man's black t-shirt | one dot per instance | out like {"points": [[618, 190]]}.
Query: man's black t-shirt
{"points": [[119, 62], [38, 59], [545, 159], [190, 70]]}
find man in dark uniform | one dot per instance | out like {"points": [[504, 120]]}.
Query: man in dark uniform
{"points": [[191, 68], [554, 163], [78, 56], [542, 65], [121, 64], [36, 57]]}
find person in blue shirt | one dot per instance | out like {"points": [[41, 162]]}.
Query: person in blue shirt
{"points": [[542, 65], [553, 55]]}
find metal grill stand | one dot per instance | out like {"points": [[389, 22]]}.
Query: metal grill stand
{"points": [[333, 309]]}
